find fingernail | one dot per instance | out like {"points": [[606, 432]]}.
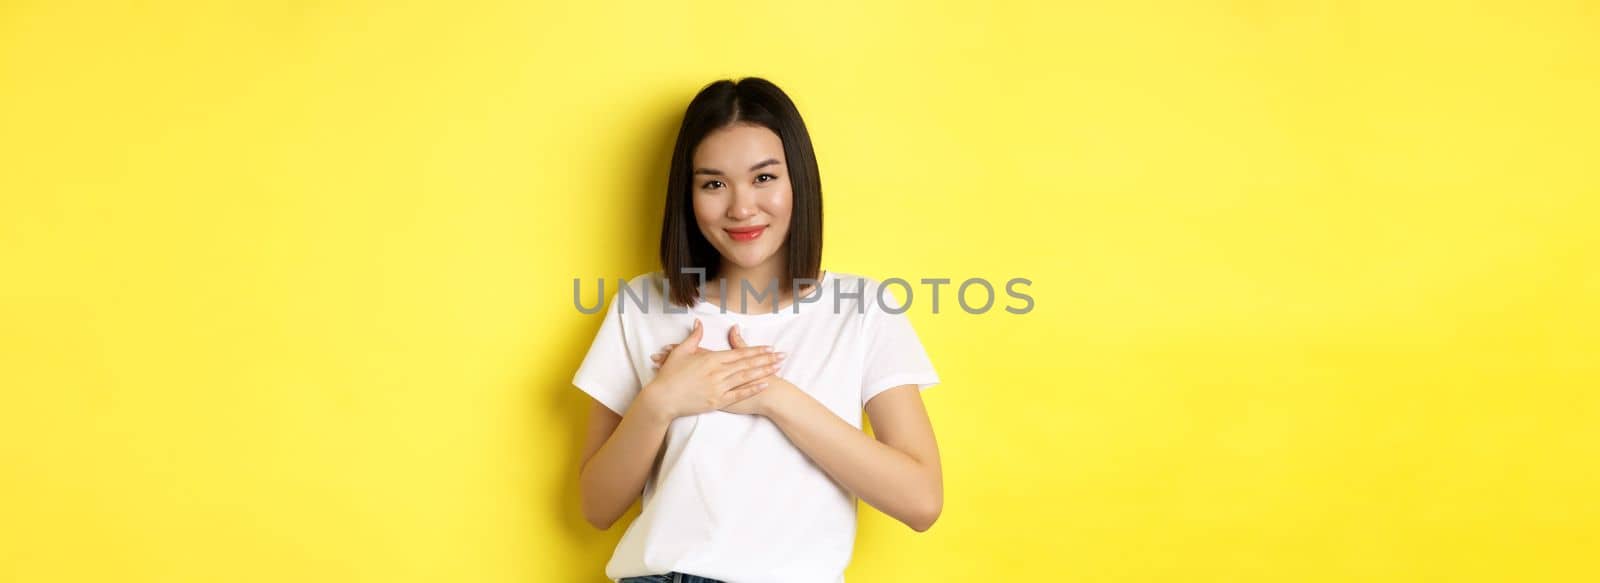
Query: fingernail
{"points": [[761, 386], [782, 355]]}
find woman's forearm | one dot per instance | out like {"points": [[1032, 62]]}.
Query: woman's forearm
{"points": [[615, 475], [889, 479]]}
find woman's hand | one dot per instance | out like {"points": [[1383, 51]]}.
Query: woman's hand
{"points": [[692, 381], [769, 384]]}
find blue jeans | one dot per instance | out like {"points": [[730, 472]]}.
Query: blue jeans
{"points": [[673, 577]]}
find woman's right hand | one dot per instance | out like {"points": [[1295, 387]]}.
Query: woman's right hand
{"points": [[693, 381]]}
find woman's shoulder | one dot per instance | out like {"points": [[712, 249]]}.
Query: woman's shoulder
{"points": [[859, 293], [848, 280], [852, 281], [864, 293]]}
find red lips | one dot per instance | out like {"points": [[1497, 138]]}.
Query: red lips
{"points": [[745, 233]]}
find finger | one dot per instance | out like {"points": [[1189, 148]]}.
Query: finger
{"points": [[733, 354], [658, 357], [759, 359], [745, 375], [741, 393], [735, 339], [692, 340]]}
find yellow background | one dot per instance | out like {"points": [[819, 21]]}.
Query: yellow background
{"points": [[287, 286]]}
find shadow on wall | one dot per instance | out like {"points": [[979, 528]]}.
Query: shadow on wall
{"points": [[646, 155]]}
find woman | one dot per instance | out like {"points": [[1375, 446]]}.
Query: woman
{"points": [[742, 431]]}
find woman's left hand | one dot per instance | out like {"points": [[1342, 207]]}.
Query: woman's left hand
{"points": [[757, 404]]}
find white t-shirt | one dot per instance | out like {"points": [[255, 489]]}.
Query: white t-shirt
{"points": [[731, 497]]}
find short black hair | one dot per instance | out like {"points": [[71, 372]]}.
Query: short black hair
{"points": [[723, 103]]}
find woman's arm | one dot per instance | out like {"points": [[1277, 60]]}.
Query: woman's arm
{"points": [[619, 452], [898, 473]]}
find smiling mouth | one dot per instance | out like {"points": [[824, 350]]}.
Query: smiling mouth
{"points": [[746, 233]]}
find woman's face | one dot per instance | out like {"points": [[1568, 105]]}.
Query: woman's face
{"points": [[742, 198]]}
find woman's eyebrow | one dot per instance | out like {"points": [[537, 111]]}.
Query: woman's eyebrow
{"points": [[758, 166]]}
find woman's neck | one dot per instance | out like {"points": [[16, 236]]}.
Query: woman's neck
{"points": [[762, 280]]}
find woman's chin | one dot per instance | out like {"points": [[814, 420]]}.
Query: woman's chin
{"points": [[746, 260]]}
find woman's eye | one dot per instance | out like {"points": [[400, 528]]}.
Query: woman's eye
{"points": [[712, 184], [766, 178]]}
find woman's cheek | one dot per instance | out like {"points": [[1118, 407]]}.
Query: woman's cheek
{"points": [[781, 202]]}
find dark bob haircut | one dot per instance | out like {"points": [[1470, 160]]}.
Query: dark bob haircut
{"points": [[723, 103]]}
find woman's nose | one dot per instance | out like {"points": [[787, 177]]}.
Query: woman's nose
{"points": [[743, 205]]}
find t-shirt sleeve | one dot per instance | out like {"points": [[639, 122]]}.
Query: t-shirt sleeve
{"points": [[607, 372], [894, 354]]}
